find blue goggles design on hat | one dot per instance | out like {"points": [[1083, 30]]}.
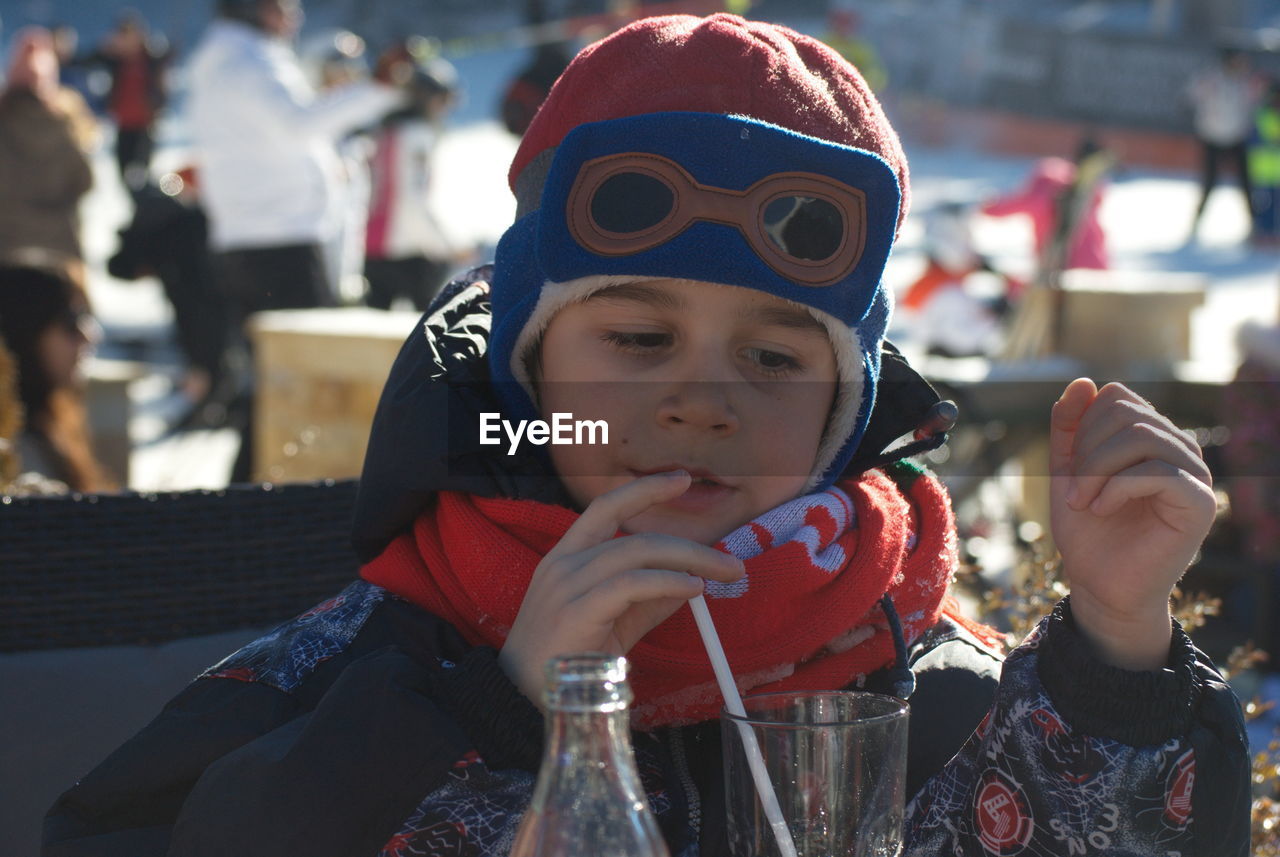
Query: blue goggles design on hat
{"points": [[722, 199], [806, 227]]}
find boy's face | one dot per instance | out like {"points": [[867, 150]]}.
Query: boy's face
{"points": [[732, 384]]}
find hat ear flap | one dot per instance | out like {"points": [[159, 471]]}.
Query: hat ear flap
{"points": [[903, 401]]}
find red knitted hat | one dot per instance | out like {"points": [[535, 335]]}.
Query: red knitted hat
{"points": [[718, 64]]}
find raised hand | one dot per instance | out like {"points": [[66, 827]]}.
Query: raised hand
{"points": [[594, 592], [1131, 501]]}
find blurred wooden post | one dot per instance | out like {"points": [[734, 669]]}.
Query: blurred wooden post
{"points": [[319, 376], [110, 410]]}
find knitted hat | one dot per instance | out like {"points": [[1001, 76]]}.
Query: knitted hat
{"points": [[737, 152], [719, 64]]}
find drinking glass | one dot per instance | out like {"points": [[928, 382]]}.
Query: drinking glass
{"points": [[837, 762]]}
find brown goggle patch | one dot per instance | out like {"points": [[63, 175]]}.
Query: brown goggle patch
{"points": [[809, 228]]}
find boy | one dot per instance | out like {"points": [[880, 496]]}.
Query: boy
{"points": [[708, 284]]}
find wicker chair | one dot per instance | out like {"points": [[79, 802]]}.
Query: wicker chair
{"points": [[93, 570]]}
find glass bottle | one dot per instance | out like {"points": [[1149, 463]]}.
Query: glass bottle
{"points": [[588, 799]]}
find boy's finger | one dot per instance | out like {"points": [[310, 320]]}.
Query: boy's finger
{"points": [[601, 520], [1190, 503], [602, 605], [619, 556], [1131, 446], [1065, 419], [1102, 423]]}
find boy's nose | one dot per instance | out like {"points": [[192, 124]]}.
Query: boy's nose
{"points": [[701, 405]]}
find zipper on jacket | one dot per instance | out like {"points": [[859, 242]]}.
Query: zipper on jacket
{"points": [[691, 797]]}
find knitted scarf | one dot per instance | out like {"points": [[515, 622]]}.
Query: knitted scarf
{"points": [[805, 616]]}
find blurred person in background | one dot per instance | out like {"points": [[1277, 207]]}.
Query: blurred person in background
{"points": [[1251, 411], [136, 64], [407, 251], [1063, 198], [528, 88], [334, 59], [266, 144], [168, 239], [941, 309], [46, 327], [45, 133], [1264, 169], [1223, 99]]}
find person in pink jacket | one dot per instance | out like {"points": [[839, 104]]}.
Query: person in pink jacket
{"points": [[1041, 199]]}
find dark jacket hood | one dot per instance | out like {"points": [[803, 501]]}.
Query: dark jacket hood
{"points": [[425, 435]]}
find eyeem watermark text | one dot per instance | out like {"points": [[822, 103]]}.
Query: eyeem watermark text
{"points": [[562, 430]]}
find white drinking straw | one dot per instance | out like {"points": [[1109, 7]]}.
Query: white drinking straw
{"points": [[733, 702]]}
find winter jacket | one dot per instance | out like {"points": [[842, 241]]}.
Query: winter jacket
{"points": [[44, 172], [369, 727], [266, 143]]}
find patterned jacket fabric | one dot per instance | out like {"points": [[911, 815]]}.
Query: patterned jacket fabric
{"points": [[367, 726]]}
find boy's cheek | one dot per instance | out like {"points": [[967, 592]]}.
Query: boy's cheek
{"points": [[582, 485], [585, 399]]}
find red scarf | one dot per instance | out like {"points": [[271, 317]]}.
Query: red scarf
{"points": [[805, 616]]}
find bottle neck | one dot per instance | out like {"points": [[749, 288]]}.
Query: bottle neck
{"points": [[592, 749], [588, 735], [595, 734], [587, 713]]}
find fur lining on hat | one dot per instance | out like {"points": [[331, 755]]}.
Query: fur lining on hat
{"points": [[844, 343]]}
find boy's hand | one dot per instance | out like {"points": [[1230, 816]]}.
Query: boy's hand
{"points": [[1131, 501], [597, 593]]}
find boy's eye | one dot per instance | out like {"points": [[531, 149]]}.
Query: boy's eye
{"points": [[639, 341], [773, 362]]}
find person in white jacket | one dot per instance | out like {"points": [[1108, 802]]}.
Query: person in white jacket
{"points": [[266, 144]]}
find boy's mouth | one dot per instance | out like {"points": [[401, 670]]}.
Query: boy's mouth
{"points": [[701, 476], [704, 493]]}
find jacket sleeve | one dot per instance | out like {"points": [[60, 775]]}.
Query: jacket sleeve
{"points": [[127, 805], [278, 93], [262, 756], [1078, 757], [1037, 194]]}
